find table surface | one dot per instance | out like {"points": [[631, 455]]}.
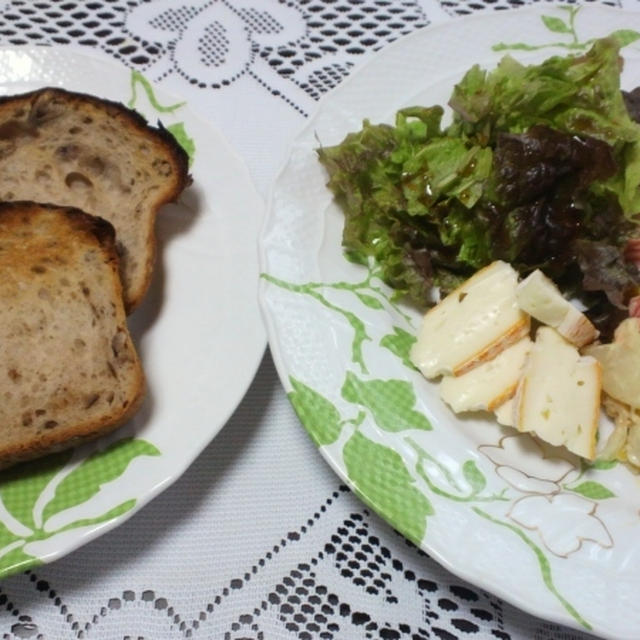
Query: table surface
{"points": [[248, 544]]}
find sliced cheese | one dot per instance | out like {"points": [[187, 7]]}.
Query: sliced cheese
{"points": [[620, 362], [540, 298], [488, 385], [505, 413], [472, 324], [558, 397]]}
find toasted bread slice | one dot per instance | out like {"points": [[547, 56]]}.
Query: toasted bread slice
{"points": [[69, 370], [76, 150]]}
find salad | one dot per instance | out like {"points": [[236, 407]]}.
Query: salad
{"points": [[539, 169]]}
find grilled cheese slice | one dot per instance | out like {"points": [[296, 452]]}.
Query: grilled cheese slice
{"points": [[488, 385], [558, 397], [472, 324], [540, 298]]}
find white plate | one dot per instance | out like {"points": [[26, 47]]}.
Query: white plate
{"points": [[198, 331], [488, 503]]}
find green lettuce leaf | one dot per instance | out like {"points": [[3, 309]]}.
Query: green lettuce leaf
{"points": [[579, 95], [536, 159]]}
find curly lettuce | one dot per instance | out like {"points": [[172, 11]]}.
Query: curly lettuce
{"points": [[540, 167]]}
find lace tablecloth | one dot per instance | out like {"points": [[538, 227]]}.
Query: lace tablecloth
{"points": [[258, 539]]}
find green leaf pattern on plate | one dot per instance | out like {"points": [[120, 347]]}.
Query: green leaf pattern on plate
{"points": [[176, 129], [137, 79], [314, 290], [369, 292], [603, 464], [381, 479], [543, 563], [370, 301], [389, 401], [557, 25], [399, 343], [7, 537], [22, 485], [22, 489], [101, 467], [319, 417], [15, 560], [593, 490], [474, 476], [121, 509]]}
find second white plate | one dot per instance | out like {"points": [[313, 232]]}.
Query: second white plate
{"points": [[490, 504]]}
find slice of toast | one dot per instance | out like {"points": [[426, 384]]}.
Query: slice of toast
{"points": [[76, 150], [69, 371]]}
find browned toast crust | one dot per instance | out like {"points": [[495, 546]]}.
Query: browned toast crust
{"points": [[78, 150], [69, 371]]}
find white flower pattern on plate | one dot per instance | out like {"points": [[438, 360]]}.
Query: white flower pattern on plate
{"points": [[541, 468], [564, 521]]}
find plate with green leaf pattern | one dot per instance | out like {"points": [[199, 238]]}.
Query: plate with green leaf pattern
{"points": [[498, 508], [201, 310]]}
